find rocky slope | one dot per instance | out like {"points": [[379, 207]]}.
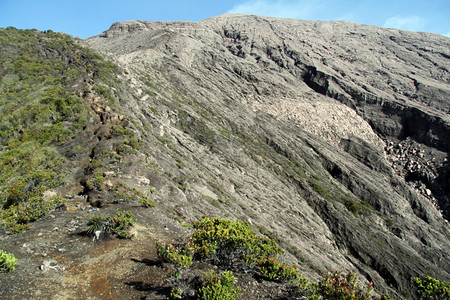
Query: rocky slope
{"points": [[331, 137], [396, 81]]}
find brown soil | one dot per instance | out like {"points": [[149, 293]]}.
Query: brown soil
{"points": [[80, 268]]}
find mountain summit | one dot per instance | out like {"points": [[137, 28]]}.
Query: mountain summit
{"points": [[331, 138]]}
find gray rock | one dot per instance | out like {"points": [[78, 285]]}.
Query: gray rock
{"points": [[323, 128], [331, 137]]}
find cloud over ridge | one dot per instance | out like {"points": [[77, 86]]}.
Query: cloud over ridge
{"points": [[279, 8], [411, 15], [414, 23]]}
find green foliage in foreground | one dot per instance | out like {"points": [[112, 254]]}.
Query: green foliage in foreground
{"points": [[7, 261], [180, 257], [117, 224], [224, 243], [272, 269], [215, 287], [342, 286], [431, 288], [42, 80], [18, 216]]}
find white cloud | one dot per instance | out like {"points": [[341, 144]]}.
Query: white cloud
{"points": [[413, 23], [359, 11], [279, 8], [447, 34]]}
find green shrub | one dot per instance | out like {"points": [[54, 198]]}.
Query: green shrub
{"points": [[117, 225], [352, 206], [344, 287], [272, 269], [17, 216], [224, 240], [120, 223], [7, 261], [146, 202], [96, 223], [218, 287], [180, 256], [96, 181], [431, 288]]}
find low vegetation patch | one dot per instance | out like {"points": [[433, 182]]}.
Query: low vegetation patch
{"points": [[215, 286], [180, 256], [342, 286], [430, 288], [117, 225], [42, 78], [127, 194], [224, 241], [7, 261], [18, 216], [228, 244]]}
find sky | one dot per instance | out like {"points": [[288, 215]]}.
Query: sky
{"points": [[86, 18]]}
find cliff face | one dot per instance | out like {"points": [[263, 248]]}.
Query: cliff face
{"points": [[369, 106], [396, 81], [330, 136]]}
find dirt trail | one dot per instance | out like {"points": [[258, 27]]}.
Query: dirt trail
{"points": [[51, 266]]}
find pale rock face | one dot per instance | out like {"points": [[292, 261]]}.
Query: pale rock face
{"points": [[49, 194], [331, 121], [294, 121]]}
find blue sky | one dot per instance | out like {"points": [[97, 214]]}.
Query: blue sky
{"points": [[85, 18]]}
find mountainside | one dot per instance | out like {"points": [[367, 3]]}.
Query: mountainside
{"points": [[329, 137]]}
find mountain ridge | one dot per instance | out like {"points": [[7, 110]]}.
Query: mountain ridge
{"points": [[281, 123], [252, 48], [433, 119]]}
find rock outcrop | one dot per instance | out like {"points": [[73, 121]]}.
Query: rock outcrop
{"points": [[361, 109], [331, 137]]}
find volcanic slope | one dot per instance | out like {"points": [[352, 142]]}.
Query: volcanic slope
{"points": [[331, 137]]}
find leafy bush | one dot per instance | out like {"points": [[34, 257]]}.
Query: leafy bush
{"points": [[218, 287], [118, 224], [96, 223], [146, 202], [344, 287], [96, 181], [225, 240], [7, 261], [431, 288], [272, 269], [18, 216], [181, 257]]}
